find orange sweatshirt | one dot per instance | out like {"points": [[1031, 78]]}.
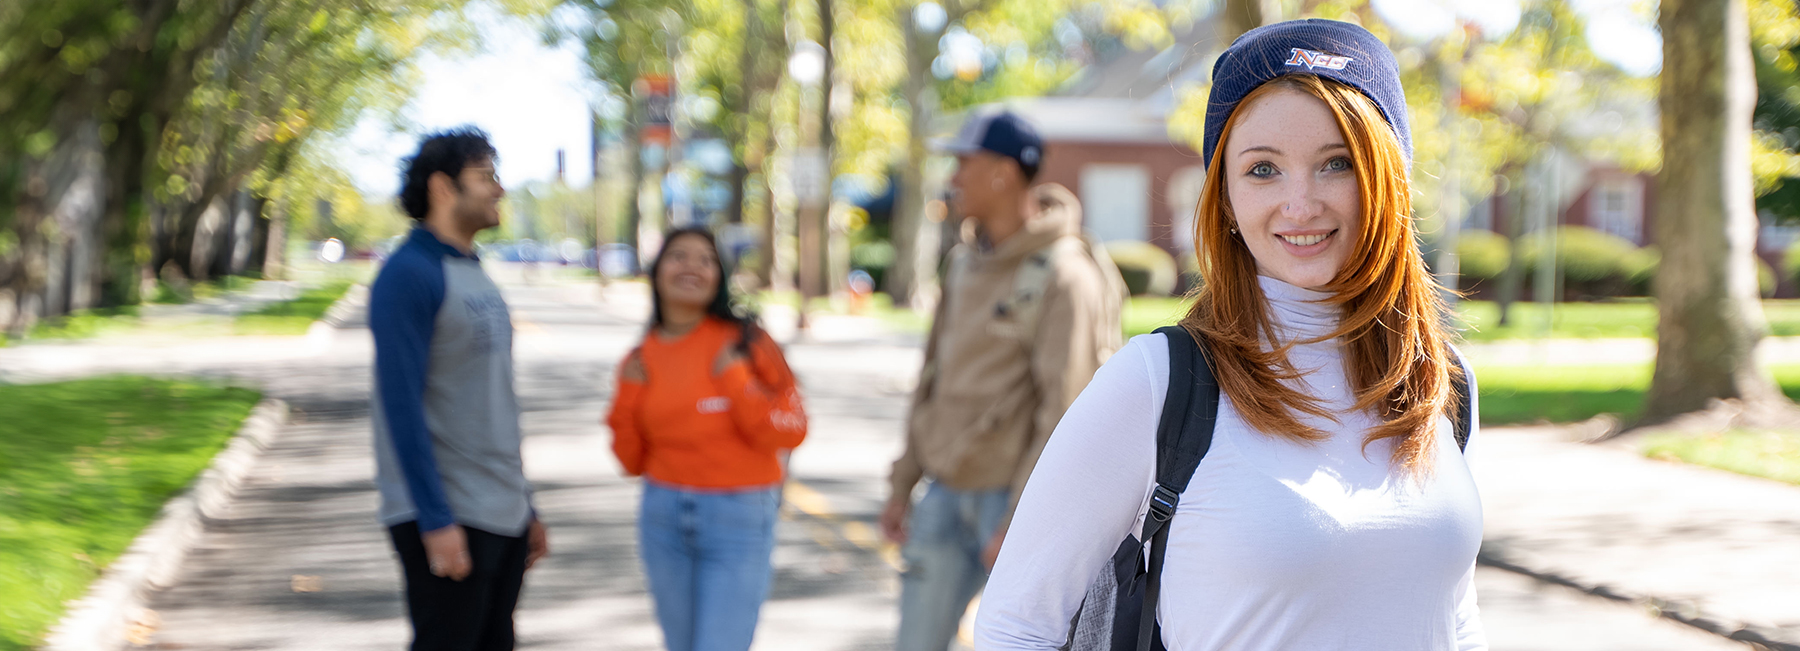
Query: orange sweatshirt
{"points": [[688, 427]]}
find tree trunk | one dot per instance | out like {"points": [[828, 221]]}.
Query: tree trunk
{"points": [[184, 226], [634, 186], [765, 269], [1514, 276], [257, 262], [226, 258], [30, 274], [827, 150], [121, 270], [204, 246], [752, 43], [1710, 314], [275, 251], [911, 264]]}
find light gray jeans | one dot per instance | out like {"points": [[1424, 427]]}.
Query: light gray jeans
{"points": [[948, 530]]}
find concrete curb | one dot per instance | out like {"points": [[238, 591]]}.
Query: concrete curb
{"points": [[348, 311], [1680, 611], [113, 612]]}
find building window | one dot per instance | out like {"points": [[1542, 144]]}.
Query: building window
{"points": [[1115, 199], [1616, 207], [1184, 197]]}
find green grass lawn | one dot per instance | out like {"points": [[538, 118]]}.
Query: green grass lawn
{"points": [[1623, 318], [1771, 455], [285, 318], [87, 324], [292, 317], [1143, 314], [171, 295], [85, 466], [1564, 394]]}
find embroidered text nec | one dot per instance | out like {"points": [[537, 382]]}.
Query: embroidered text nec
{"points": [[1312, 60]]}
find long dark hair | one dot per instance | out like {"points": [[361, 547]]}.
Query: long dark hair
{"points": [[722, 307]]}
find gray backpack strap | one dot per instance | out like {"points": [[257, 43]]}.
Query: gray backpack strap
{"points": [[1463, 418]]}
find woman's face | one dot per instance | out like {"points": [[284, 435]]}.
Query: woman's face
{"points": [[688, 275], [1293, 188]]}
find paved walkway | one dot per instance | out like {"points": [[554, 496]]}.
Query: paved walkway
{"points": [[298, 563], [1582, 352], [1706, 543]]}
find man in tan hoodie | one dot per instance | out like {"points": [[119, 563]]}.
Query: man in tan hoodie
{"points": [[1030, 312]]}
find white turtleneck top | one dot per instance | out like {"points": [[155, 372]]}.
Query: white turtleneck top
{"points": [[1276, 545]]}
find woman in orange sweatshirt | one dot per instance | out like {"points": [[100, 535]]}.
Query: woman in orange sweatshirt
{"points": [[705, 409]]}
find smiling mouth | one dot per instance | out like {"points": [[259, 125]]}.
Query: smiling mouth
{"points": [[1306, 240]]}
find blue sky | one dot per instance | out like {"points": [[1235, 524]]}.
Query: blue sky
{"points": [[530, 98]]}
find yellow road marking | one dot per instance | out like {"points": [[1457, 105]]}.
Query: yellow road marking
{"points": [[814, 504]]}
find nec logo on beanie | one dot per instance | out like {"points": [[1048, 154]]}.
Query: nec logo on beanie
{"points": [[1312, 60]]}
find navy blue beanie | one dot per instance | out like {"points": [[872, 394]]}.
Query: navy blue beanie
{"points": [[1330, 49]]}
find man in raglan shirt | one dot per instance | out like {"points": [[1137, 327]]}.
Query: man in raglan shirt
{"points": [[446, 421]]}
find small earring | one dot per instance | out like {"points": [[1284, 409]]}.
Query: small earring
{"points": [[1234, 230]]}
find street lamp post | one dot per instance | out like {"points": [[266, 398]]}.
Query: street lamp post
{"points": [[810, 66]]}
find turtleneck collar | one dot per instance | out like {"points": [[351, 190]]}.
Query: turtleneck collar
{"points": [[1299, 313]]}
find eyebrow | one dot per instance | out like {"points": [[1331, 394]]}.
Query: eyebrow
{"points": [[1277, 152]]}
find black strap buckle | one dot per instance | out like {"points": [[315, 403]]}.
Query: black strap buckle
{"points": [[1162, 503]]}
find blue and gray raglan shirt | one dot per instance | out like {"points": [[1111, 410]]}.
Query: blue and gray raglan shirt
{"points": [[445, 417]]}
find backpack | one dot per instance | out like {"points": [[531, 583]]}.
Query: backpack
{"points": [[1119, 611]]}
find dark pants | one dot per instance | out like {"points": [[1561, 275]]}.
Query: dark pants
{"points": [[474, 614]]}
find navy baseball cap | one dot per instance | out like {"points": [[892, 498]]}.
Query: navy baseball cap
{"points": [[1002, 132], [1335, 50]]}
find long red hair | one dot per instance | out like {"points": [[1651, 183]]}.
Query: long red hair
{"points": [[1395, 342]]}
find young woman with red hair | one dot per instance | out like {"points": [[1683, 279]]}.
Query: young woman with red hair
{"points": [[1333, 509]]}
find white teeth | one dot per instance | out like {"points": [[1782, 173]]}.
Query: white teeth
{"points": [[1305, 240]]}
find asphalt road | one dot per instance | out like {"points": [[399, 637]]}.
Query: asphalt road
{"points": [[300, 563]]}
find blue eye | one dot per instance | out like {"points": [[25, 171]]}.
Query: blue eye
{"points": [[1338, 164], [1262, 170]]}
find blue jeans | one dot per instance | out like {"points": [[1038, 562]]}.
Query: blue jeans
{"points": [[948, 531], [706, 554]]}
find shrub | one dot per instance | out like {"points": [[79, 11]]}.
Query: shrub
{"points": [[1765, 278], [1146, 268], [1482, 255], [1595, 263], [1640, 269], [1585, 254], [1791, 265], [1191, 279]]}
